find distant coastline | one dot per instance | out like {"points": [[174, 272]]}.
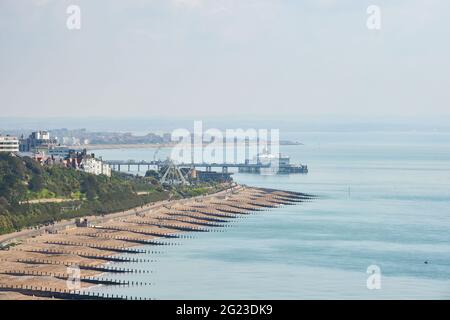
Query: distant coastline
{"points": [[154, 145], [125, 146]]}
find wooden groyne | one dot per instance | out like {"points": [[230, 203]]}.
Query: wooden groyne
{"points": [[89, 256], [50, 293], [147, 233], [80, 244], [200, 217], [129, 239], [98, 268], [63, 276]]}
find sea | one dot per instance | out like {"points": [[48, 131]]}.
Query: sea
{"points": [[378, 229]]}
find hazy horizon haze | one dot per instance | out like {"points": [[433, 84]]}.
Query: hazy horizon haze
{"points": [[218, 58]]}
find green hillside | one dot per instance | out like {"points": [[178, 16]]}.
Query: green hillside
{"points": [[24, 181]]}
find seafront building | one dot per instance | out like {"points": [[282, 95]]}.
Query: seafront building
{"points": [[75, 160], [87, 163], [92, 165], [37, 142], [60, 151], [42, 144], [44, 149], [9, 144]]}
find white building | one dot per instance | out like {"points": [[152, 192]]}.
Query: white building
{"points": [[40, 135], [106, 169], [9, 144], [95, 166]]}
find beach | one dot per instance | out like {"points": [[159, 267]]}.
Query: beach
{"points": [[42, 261]]}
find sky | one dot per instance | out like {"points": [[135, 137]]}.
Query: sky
{"points": [[213, 58]]}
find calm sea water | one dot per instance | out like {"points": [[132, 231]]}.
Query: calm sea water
{"points": [[384, 200]]}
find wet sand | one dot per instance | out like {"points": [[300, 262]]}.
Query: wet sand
{"points": [[40, 265]]}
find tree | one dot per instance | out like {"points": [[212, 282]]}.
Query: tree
{"points": [[36, 183], [152, 174], [34, 166], [89, 186]]}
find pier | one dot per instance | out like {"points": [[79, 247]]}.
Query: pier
{"points": [[283, 167]]}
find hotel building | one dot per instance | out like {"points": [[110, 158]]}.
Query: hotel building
{"points": [[9, 144]]}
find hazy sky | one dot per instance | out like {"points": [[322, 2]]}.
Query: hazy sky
{"points": [[224, 57]]}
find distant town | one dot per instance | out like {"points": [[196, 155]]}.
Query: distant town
{"points": [[85, 138]]}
